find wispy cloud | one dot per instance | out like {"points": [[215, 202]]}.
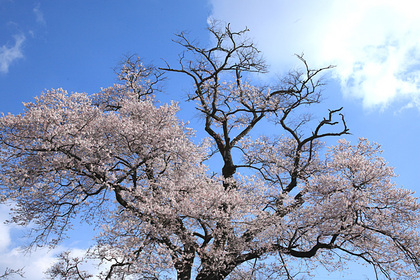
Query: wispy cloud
{"points": [[36, 262], [9, 54], [375, 44], [13, 257], [39, 15], [4, 229]]}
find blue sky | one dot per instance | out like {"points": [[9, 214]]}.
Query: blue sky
{"points": [[76, 44]]}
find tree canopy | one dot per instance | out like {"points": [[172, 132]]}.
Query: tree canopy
{"points": [[276, 207]]}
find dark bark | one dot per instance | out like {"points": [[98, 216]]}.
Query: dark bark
{"points": [[210, 274], [183, 271]]}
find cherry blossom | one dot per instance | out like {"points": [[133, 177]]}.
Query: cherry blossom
{"points": [[275, 208]]}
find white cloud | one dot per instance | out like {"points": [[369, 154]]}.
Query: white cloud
{"points": [[374, 43], [4, 229], [9, 54], [13, 257], [34, 264], [37, 261], [39, 15]]}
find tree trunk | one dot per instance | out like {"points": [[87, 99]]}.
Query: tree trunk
{"points": [[183, 271], [208, 275], [215, 274], [184, 274]]}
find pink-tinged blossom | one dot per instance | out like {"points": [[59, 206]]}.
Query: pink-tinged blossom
{"points": [[278, 205]]}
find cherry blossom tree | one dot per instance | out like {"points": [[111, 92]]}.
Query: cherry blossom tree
{"points": [[277, 205]]}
